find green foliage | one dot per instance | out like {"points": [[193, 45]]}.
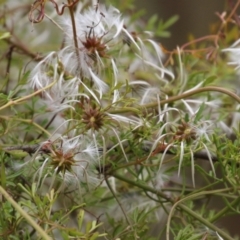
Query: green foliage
{"points": [[130, 144], [159, 27]]}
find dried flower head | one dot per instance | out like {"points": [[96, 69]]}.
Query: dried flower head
{"points": [[61, 161], [92, 117], [94, 46], [185, 132], [71, 159], [98, 31]]}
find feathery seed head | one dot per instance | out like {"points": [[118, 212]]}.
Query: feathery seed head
{"points": [[61, 161], [185, 132], [94, 46], [92, 116]]}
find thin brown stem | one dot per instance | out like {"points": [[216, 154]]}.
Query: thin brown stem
{"points": [[119, 203], [179, 97], [199, 40], [75, 38], [23, 48], [233, 11]]}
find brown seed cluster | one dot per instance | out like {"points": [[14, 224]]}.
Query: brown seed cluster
{"points": [[62, 161], [94, 46], [185, 132], [93, 118]]}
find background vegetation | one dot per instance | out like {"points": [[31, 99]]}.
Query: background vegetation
{"points": [[106, 134]]}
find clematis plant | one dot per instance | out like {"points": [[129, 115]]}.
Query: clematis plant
{"points": [[106, 134]]}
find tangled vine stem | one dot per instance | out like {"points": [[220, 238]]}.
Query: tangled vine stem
{"points": [[179, 97], [69, 5], [41, 4], [34, 7]]}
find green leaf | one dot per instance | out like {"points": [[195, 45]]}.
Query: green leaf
{"points": [[137, 15], [24, 78], [17, 153], [171, 21], [209, 80], [199, 113], [152, 21], [3, 99], [118, 229], [164, 34], [94, 236], [3, 173], [80, 218], [5, 35]]}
